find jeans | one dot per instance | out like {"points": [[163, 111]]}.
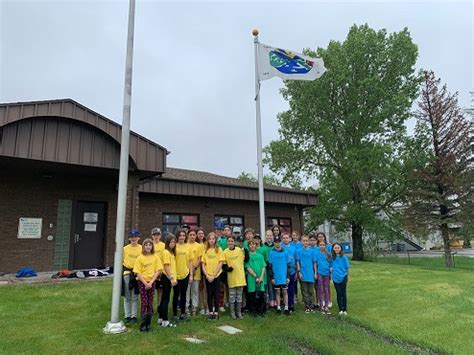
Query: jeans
{"points": [[307, 289], [130, 302], [179, 293], [192, 295], [341, 294], [291, 290]]}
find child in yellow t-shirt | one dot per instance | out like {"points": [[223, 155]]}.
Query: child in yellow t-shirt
{"points": [[212, 261], [184, 272], [234, 257], [147, 267], [192, 293], [201, 240], [159, 247], [129, 285], [168, 279]]}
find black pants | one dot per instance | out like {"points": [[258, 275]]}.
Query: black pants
{"points": [[213, 289], [179, 293], [256, 302], [341, 294], [165, 298]]}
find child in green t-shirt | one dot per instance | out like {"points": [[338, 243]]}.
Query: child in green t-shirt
{"points": [[255, 281]]}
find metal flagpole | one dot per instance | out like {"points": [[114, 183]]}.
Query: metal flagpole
{"points": [[261, 201], [115, 326]]}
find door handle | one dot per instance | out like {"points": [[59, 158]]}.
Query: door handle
{"points": [[77, 238]]}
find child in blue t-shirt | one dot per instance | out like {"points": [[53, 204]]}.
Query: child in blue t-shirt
{"points": [[280, 273], [291, 250], [306, 266], [323, 265], [340, 276]]}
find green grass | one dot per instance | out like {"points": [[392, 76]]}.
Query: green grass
{"points": [[391, 308], [461, 262]]}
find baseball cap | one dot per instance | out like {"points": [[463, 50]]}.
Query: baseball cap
{"points": [[277, 239], [236, 230], [240, 239], [134, 233], [156, 230]]}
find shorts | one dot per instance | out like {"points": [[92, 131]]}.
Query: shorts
{"points": [[281, 287], [159, 283]]}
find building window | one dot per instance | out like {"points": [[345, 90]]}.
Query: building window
{"points": [[172, 221], [283, 222], [232, 221]]}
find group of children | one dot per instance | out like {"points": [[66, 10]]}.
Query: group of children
{"points": [[204, 270]]}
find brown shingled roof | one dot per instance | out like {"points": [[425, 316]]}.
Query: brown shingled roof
{"points": [[209, 178]]}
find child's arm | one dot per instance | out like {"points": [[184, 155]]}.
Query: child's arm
{"points": [[262, 274], [168, 274], [155, 276], [298, 269], [315, 268], [218, 268], [251, 272]]}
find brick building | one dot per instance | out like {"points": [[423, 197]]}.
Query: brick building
{"points": [[59, 166]]}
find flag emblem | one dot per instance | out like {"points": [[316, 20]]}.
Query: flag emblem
{"points": [[288, 62]]}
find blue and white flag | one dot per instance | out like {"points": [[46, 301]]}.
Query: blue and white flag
{"points": [[287, 64]]}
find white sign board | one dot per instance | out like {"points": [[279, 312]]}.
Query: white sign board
{"points": [[29, 228]]}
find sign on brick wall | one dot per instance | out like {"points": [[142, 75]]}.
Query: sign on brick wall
{"points": [[29, 228]]}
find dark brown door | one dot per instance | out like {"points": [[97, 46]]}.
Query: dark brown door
{"points": [[88, 235]]}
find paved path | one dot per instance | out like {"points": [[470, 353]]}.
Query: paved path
{"points": [[43, 277], [431, 253]]}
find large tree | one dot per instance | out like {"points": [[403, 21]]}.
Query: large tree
{"points": [[440, 197], [347, 129]]}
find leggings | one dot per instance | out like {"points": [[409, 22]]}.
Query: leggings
{"points": [[213, 289], [323, 290], [179, 293], [146, 297], [165, 298]]}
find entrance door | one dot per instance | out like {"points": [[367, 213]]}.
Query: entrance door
{"points": [[88, 235]]}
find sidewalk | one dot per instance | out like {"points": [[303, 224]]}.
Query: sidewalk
{"points": [[43, 278], [432, 253]]}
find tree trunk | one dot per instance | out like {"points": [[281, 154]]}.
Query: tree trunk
{"points": [[357, 243], [448, 258]]}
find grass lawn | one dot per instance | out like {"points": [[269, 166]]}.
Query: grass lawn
{"points": [[393, 309]]}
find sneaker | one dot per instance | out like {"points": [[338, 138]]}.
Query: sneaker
{"points": [[292, 309], [307, 310], [345, 313], [316, 306], [183, 317], [160, 321], [328, 311], [203, 312], [287, 312], [341, 313], [127, 320], [278, 311], [133, 320], [210, 316], [221, 309], [329, 304], [175, 319]]}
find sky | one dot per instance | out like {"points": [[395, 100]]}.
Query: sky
{"points": [[193, 74]]}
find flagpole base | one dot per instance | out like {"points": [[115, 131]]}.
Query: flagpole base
{"points": [[114, 328]]}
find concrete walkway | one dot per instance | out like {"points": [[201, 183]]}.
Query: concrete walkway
{"points": [[42, 278], [432, 253]]}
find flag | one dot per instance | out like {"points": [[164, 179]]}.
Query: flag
{"points": [[287, 64]]}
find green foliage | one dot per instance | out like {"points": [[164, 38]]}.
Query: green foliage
{"points": [[269, 180], [347, 129]]}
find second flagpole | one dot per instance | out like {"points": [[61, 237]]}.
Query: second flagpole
{"points": [[261, 194]]}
